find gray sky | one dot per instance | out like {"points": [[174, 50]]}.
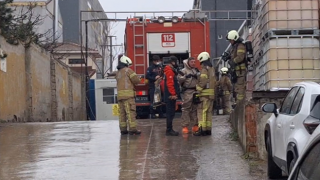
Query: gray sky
{"points": [[140, 5]]}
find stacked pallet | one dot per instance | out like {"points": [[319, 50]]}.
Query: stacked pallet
{"points": [[285, 43]]}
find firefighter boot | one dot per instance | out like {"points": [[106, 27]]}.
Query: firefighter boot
{"points": [[185, 130], [200, 132], [171, 132], [135, 132], [195, 128], [124, 132], [208, 132], [162, 115]]}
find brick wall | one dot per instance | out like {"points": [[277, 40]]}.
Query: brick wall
{"points": [[249, 122], [251, 128]]}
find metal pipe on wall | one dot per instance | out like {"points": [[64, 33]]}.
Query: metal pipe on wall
{"points": [[56, 19]]}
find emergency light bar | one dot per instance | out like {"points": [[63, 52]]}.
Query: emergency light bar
{"points": [[188, 16], [162, 19]]}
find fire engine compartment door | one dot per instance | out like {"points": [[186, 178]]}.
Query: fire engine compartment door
{"points": [[161, 43]]}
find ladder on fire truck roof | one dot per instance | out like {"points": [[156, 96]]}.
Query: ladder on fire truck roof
{"points": [[139, 43]]}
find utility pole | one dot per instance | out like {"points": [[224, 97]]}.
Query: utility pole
{"points": [[103, 57], [111, 55]]}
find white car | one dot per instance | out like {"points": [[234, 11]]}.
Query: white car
{"points": [[289, 127], [308, 164]]}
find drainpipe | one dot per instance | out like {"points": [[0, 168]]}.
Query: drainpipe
{"points": [[56, 18]]}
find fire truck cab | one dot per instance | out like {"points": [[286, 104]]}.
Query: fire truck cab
{"points": [[183, 37]]}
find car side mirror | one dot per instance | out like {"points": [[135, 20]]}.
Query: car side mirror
{"points": [[270, 108]]}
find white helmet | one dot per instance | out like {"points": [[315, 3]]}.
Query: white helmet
{"points": [[203, 56], [126, 60], [232, 35], [224, 70]]}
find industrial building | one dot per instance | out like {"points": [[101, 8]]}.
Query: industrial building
{"points": [[219, 28]]}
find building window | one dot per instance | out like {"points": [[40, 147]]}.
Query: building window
{"points": [[109, 96], [76, 61]]}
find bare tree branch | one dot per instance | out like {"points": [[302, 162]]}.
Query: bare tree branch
{"points": [[23, 28], [115, 53]]}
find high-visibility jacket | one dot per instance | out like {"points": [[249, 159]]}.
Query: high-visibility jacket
{"points": [[127, 79], [207, 82]]}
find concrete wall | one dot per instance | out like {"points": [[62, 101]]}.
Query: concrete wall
{"points": [[77, 90], [249, 122], [37, 88], [38, 84], [261, 119], [62, 86], [13, 95]]}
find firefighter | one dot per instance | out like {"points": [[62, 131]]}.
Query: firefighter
{"points": [[171, 93], [188, 83], [154, 77], [226, 87], [126, 81], [238, 55], [205, 87]]}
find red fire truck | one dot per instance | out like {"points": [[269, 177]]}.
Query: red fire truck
{"points": [[183, 37]]}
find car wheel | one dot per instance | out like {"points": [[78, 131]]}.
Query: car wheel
{"points": [[274, 171], [292, 162]]}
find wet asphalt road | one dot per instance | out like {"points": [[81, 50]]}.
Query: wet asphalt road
{"points": [[95, 150]]}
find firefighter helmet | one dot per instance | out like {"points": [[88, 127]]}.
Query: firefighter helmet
{"points": [[203, 56], [224, 70], [125, 60], [232, 35]]}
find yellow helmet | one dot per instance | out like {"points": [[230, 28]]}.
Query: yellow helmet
{"points": [[126, 60], [224, 70], [232, 35], [204, 56]]}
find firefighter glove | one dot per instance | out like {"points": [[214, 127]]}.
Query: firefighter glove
{"points": [[195, 76]]}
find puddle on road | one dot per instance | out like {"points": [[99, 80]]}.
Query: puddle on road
{"points": [[93, 150], [75, 150], [96, 150]]}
